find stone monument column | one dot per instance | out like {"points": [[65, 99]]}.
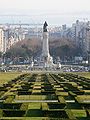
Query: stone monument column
{"points": [[48, 62], [45, 49]]}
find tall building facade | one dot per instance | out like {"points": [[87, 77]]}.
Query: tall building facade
{"points": [[88, 40], [4, 37], [10, 36], [2, 41], [80, 35]]}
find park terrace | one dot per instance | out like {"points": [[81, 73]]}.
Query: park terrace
{"points": [[46, 96]]}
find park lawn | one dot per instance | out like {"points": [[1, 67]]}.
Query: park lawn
{"points": [[30, 97], [84, 74], [24, 118], [83, 99], [79, 113], [5, 77], [34, 106]]}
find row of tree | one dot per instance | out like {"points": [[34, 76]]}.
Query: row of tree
{"points": [[33, 47]]}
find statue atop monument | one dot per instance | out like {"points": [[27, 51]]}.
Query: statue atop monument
{"points": [[45, 27]]}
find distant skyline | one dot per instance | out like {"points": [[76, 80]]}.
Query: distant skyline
{"points": [[55, 12]]}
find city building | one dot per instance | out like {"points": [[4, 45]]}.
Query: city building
{"points": [[80, 35], [78, 32], [3, 40]]}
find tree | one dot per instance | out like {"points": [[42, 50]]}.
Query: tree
{"points": [[0, 54]]}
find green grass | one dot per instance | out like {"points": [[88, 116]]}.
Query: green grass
{"points": [[30, 97], [5, 77], [9, 99], [37, 110], [84, 74], [83, 99], [61, 93], [45, 106], [24, 118], [34, 106], [79, 113]]}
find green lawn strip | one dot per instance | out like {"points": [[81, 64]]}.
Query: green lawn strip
{"points": [[34, 106], [84, 74], [9, 99], [79, 113], [36, 118], [1, 113], [71, 93], [12, 118], [37, 97], [24, 106], [83, 99], [70, 114], [61, 100], [61, 93], [24, 118], [36, 91], [45, 106], [38, 83], [5, 77], [30, 97]]}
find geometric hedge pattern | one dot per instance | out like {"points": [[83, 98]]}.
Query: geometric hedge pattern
{"points": [[45, 97]]}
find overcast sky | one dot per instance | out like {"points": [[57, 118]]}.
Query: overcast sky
{"points": [[54, 11]]}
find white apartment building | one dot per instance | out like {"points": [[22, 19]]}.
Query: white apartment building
{"points": [[88, 40], [2, 41], [80, 34]]}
